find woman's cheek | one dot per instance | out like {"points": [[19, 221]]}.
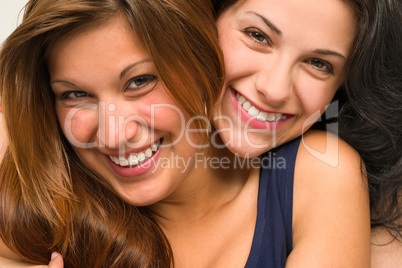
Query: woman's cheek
{"points": [[315, 95], [79, 126]]}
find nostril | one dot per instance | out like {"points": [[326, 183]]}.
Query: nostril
{"points": [[261, 95]]}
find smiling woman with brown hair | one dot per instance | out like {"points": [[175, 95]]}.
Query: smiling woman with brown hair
{"points": [[105, 100], [79, 52]]}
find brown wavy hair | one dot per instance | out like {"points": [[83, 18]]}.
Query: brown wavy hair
{"points": [[49, 201]]}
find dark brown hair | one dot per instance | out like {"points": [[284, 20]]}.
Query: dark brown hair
{"points": [[371, 103], [370, 120], [49, 201]]}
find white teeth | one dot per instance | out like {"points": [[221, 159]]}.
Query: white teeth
{"points": [[247, 105], [124, 163], [154, 147], [135, 159], [141, 157], [148, 153], [278, 117], [254, 112], [114, 159], [262, 116], [241, 99], [271, 117]]}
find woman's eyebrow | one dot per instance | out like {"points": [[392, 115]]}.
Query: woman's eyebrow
{"points": [[63, 81], [275, 29], [329, 52], [128, 68], [267, 22], [122, 74]]}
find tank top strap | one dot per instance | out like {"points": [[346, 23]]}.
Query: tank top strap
{"points": [[272, 241]]}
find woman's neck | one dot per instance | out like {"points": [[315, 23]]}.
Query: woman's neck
{"points": [[217, 179]]}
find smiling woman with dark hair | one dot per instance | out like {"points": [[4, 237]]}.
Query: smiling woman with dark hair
{"points": [[369, 97], [106, 99]]}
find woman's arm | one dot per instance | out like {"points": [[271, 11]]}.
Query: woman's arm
{"points": [[331, 218]]}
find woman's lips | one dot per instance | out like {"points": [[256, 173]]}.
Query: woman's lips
{"points": [[254, 116], [137, 157], [138, 163]]}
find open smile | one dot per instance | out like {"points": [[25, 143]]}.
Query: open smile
{"points": [[138, 163], [256, 113], [254, 116], [138, 157]]}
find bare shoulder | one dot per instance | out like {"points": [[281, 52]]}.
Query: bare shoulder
{"points": [[327, 163], [327, 151], [331, 219]]}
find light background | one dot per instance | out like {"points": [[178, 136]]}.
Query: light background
{"points": [[10, 16]]}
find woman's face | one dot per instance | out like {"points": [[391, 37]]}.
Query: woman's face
{"points": [[116, 114], [284, 61]]}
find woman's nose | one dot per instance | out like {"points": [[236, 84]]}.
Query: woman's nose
{"points": [[274, 83], [117, 126]]}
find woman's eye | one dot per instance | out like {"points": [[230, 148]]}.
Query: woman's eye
{"points": [[257, 36], [74, 95], [321, 65], [141, 81]]}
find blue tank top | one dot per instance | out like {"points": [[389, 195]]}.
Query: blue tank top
{"points": [[272, 240]]}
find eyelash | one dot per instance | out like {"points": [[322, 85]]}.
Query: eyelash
{"points": [[67, 95], [328, 67], [145, 80], [251, 32]]}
